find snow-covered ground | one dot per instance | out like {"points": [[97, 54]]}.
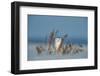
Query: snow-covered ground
{"points": [[45, 55]]}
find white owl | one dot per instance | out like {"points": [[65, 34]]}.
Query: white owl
{"points": [[57, 43]]}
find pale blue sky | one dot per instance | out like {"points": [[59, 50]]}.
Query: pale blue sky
{"points": [[40, 26]]}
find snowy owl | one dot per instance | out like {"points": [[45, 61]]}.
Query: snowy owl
{"points": [[57, 43]]}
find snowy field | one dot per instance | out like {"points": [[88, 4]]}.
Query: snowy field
{"points": [[45, 55]]}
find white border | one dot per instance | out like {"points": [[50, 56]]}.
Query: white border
{"points": [[26, 65]]}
